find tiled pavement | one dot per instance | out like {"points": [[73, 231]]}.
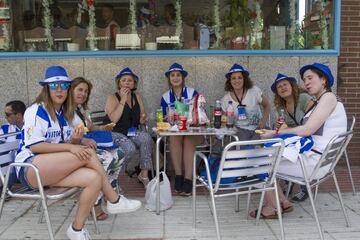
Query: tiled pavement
{"points": [[19, 220]]}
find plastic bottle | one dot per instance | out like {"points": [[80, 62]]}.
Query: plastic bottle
{"points": [[280, 120], [217, 114], [230, 114]]}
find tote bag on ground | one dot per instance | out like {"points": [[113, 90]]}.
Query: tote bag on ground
{"points": [[166, 200]]}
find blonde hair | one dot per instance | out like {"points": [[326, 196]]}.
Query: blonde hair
{"points": [[68, 106]]}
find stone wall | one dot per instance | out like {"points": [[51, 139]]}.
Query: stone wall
{"points": [[19, 78]]}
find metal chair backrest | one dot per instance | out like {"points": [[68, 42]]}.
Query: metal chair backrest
{"points": [[250, 158], [351, 123], [98, 117], [7, 153], [332, 153]]}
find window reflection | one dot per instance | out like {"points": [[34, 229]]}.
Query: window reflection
{"points": [[157, 25]]}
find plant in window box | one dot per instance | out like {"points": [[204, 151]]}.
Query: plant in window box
{"points": [[236, 23]]}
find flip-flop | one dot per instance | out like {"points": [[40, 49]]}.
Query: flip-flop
{"points": [[253, 214], [101, 216], [287, 209]]}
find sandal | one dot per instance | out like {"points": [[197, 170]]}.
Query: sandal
{"points": [[100, 214], [144, 180], [287, 209], [254, 213]]}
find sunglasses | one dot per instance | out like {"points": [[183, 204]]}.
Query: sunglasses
{"points": [[63, 86], [8, 114]]}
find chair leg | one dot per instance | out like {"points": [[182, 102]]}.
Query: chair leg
{"points": [[278, 207], [3, 194], [316, 191], [314, 210], [288, 190], [194, 201], [260, 208], [248, 204], [341, 200], [349, 170], [47, 217], [213, 206], [39, 209], [237, 201], [93, 213]]}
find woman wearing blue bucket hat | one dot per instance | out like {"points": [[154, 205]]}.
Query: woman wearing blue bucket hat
{"points": [[126, 109], [182, 148], [241, 91], [50, 143], [324, 120], [294, 102]]}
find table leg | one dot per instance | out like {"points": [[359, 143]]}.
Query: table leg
{"points": [[158, 140]]}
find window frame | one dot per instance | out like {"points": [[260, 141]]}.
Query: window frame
{"points": [[187, 52]]}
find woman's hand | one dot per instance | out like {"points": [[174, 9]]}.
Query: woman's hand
{"points": [[262, 123], [89, 142], [77, 135], [143, 118], [267, 133], [124, 92], [81, 152]]}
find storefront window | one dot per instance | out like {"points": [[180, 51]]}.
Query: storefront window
{"points": [[90, 25]]}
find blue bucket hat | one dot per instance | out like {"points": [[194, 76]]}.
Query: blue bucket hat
{"points": [[321, 67], [176, 67], [55, 74], [103, 139], [279, 78], [126, 71], [236, 68]]}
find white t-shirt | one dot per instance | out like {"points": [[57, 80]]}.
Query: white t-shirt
{"points": [[39, 127], [335, 124], [252, 100]]}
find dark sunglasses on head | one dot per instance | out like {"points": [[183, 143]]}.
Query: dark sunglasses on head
{"points": [[8, 114], [63, 86]]}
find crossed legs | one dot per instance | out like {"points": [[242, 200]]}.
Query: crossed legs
{"points": [[64, 169]]}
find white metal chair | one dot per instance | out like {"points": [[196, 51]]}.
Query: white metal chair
{"points": [[97, 117], [245, 164], [43, 195], [351, 124], [328, 161]]}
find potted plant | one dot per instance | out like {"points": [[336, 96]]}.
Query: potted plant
{"points": [[236, 23]]}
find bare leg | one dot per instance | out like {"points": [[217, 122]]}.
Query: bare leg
{"points": [[271, 201], [176, 153], [68, 171], [90, 181], [190, 143]]}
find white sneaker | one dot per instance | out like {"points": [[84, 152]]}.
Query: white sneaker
{"points": [[81, 235], [123, 206]]}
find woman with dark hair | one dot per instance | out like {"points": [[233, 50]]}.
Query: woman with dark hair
{"points": [[110, 155], [51, 144], [126, 109], [324, 120], [241, 91]]}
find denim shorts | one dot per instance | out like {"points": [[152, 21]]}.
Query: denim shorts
{"points": [[22, 174]]}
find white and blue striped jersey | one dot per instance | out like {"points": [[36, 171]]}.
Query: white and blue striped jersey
{"points": [[169, 97], [9, 128], [39, 127]]}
